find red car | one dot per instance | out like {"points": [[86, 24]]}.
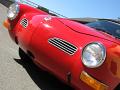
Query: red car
{"points": [[87, 57]]}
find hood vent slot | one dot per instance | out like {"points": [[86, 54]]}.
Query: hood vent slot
{"points": [[24, 22], [63, 45]]}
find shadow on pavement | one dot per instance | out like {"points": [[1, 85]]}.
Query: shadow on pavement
{"points": [[44, 80]]}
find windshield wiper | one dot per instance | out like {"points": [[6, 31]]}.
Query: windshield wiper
{"points": [[106, 32], [102, 30], [99, 29]]}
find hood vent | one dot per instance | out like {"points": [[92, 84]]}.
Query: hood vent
{"points": [[24, 22], [63, 45]]}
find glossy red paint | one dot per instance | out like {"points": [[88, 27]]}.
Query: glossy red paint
{"points": [[41, 27]]}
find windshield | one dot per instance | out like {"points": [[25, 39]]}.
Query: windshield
{"points": [[109, 27]]}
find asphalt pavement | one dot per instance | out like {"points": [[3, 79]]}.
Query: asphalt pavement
{"points": [[16, 74]]}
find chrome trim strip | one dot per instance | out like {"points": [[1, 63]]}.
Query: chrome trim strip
{"points": [[104, 51]]}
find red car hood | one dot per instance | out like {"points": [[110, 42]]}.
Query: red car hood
{"points": [[80, 28]]}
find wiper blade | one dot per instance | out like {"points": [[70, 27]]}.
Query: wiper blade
{"points": [[102, 30], [106, 32]]}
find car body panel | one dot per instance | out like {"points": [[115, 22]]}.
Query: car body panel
{"points": [[42, 27], [87, 30]]}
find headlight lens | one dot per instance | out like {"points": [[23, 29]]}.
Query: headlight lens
{"points": [[13, 11], [93, 55]]}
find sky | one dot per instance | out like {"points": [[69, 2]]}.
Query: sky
{"points": [[83, 8]]}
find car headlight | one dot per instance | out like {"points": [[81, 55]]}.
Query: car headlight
{"points": [[93, 55], [13, 11]]}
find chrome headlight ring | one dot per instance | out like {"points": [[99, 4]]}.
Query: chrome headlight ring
{"points": [[13, 11], [93, 55]]}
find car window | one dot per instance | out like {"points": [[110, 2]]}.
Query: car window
{"points": [[110, 27]]}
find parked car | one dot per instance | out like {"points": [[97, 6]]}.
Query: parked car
{"points": [[85, 56]]}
